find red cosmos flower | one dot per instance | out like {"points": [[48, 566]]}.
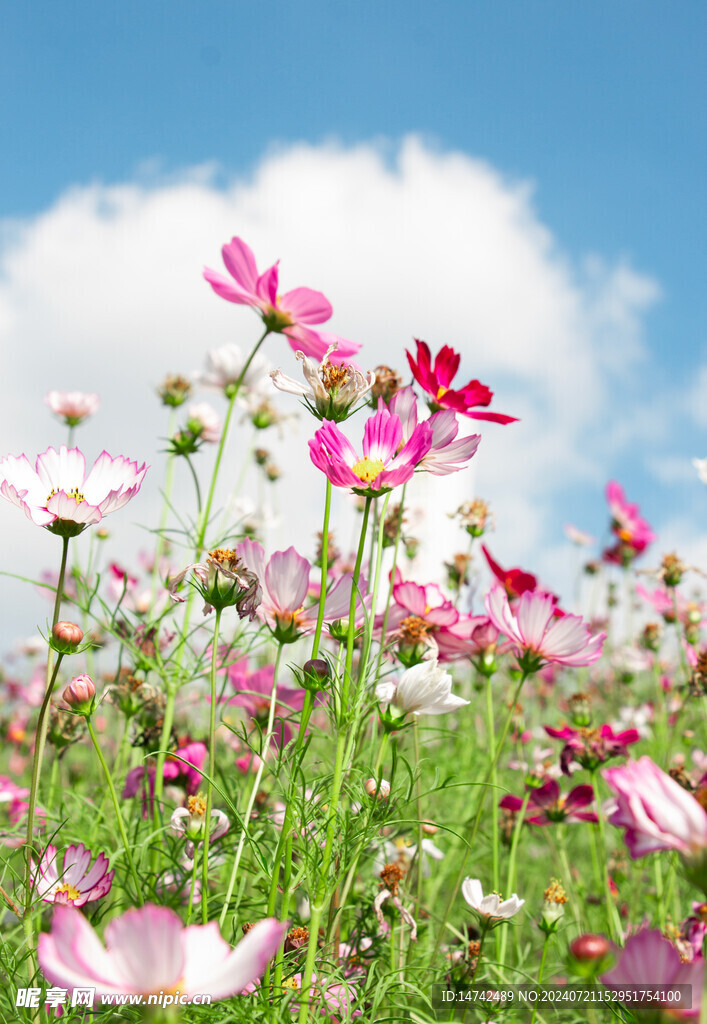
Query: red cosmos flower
{"points": [[436, 382], [548, 807], [514, 581], [591, 747]]}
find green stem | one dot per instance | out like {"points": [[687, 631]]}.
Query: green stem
{"points": [[161, 545], [386, 613], [39, 743], [612, 914], [116, 808], [245, 824], [324, 572], [374, 596], [211, 771], [541, 972], [477, 817], [511, 877], [346, 681]]}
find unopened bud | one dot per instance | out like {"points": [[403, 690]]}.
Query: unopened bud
{"points": [[315, 674], [589, 947], [381, 789], [430, 828], [66, 637], [79, 694]]}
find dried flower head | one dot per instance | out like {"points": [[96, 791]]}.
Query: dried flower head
{"points": [[386, 384], [223, 580], [174, 390]]}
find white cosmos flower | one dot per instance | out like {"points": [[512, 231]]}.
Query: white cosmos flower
{"points": [[491, 906], [224, 366], [424, 689]]}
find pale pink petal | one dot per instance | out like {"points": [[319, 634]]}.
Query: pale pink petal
{"points": [[287, 580], [62, 470], [63, 507], [146, 947], [207, 970], [533, 613], [73, 956]]}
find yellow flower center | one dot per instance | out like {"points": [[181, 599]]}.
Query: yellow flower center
{"points": [[196, 805], [291, 983], [68, 890], [74, 493], [441, 392], [368, 470]]}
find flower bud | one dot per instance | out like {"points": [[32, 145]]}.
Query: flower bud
{"points": [[589, 947], [315, 674], [430, 828], [381, 790], [66, 637], [79, 695]]}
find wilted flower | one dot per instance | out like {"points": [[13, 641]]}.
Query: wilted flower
{"points": [[290, 314], [174, 390], [473, 516], [57, 494], [191, 960], [492, 909], [424, 689], [223, 580], [391, 877], [332, 389], [436, 382], [72, 406], [73, 883], [553, 910]]}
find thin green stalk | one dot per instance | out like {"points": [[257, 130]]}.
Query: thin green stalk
{"points": [[541, 972], [386, 613], [245, 824], [116, 807], [168, 485], [477, 816], [374, 595], [418, 804], [612, 914], [211, 771], [192, 887], [511, 877], [324, 572], [490, 733], [346, 682]]}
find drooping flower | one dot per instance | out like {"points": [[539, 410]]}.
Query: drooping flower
{"points": [[424, 689], [333, 387], [57, 493], [591, 747], [72, 882], [649, 955], [383, 465], [150, 951], [633, 533], [447, 454], [72, 406], [290, 314], [436, 381], [538, 636], [223, 580], [491, 908], [655, 810], [548, 806]]}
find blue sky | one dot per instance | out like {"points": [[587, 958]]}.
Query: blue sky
{"points": [[596, 105]]}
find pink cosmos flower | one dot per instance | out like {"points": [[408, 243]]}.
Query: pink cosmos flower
{"points": [[183, 770], [657, 813], [447, 454], [253, 694], [72, 406], [150, 951], [285, 582], [537, 635], [436, 380], [384, 463], [591, 747], [74, 883], [290, 314], [632, 531], [547, 805], [649, 957], [423, 611], [57, 494]]}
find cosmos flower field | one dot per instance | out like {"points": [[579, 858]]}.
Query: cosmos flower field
{"points": [[243, 784]]}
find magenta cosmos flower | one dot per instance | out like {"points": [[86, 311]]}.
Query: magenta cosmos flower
{"points": [[537, 635], [632, 531], [649, 956], [290, 314], [57, 493], [591, 747], [254, 693], [150, 951], [657, 813], [436, 381], [73, 882], [386, 461], [547, 805]]}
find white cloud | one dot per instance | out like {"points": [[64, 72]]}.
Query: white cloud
{"points": [[103, 291]]}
